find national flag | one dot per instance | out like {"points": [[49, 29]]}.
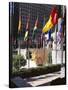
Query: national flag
{"points": [[52, 20], [19, 26], [49, 35], [59, 23], [27, 28], [35, 28], [20, 21], [48, 25], [54, 15], [60, 30]]}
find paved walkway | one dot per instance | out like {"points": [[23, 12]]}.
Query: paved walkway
{"points": [[36, 81]]}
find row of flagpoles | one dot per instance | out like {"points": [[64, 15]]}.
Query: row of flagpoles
{"points": [[47, 27]]}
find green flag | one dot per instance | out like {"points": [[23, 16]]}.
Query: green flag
{"points": [[27, 28], [35, 28]]}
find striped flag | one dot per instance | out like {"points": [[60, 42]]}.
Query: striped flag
{"points": [[27, 28], [35, 28], [20, 22], [19, 26], [60, 30], [52, 20]]}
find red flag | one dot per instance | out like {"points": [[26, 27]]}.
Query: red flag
{"points": [[36, 23], [27, 25], [54, 15]]}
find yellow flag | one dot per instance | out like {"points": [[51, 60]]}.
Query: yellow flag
{"points": [[48, 25], [19, 26]]}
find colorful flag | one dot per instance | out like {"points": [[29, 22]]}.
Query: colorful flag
{"points": [[54, 15], [35, 28], [60, 30], [49, 35], [19, 26], [48, 25], [27, 28], [52, 20], [20, 21], [59, 23]]}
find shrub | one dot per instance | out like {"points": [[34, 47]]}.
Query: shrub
{"points": [[25, 73], [18, 61]]}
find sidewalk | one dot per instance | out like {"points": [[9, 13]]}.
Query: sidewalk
{"points": [[37, 80]]}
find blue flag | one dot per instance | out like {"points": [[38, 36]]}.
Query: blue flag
{"points": [[49, 35]]}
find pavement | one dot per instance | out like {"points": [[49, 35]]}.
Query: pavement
{"points": [[38, 80]]}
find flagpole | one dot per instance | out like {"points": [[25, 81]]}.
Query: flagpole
{"points": [[28, 53], [27, 27], [62, 38], [19, 33], [42, 41], [19, 53], [43, 34], [42, 38], [62, 67], [56, 42], [50, 48]]}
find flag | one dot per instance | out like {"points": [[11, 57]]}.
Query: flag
{"points": [[27, 28], [54, 15], [20, 21], [19, 26], [53, 19], [59, 24], [35, 28], [48, 25], [60, 30], [49, 35]]}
